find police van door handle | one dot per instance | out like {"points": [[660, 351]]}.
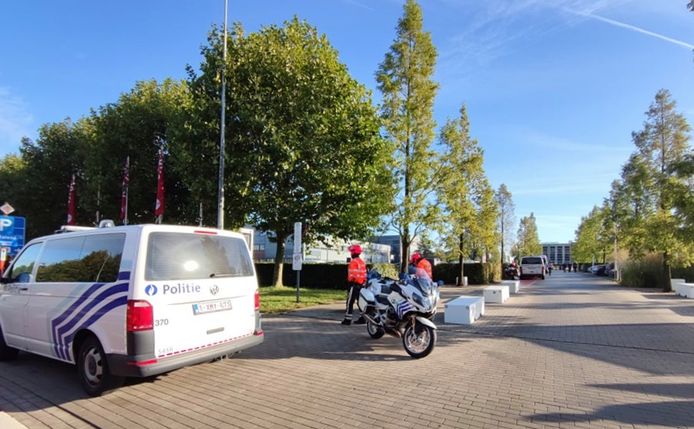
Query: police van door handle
{"points": [[23, 288]]}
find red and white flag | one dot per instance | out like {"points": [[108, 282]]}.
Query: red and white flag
{"points": [[124, 195], [71, 212], [159, 204]]}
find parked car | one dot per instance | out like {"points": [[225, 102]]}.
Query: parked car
{"points": [[601, 271], [130, 301]]}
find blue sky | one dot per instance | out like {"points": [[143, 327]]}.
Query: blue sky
{"points": [[554, 88]]}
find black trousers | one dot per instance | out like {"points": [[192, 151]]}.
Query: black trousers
{"points": [[352, 296]]}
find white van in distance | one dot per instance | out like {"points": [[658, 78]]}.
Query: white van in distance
{"points": [[130, 301], [532, 266]]}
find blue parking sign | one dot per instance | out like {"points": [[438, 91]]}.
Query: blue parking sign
{"points": [[12, 232]]}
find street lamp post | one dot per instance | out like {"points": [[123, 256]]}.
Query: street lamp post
{"points": [[220, 184]]}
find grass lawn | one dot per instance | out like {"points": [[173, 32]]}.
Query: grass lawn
{"points": [[279, 299]]}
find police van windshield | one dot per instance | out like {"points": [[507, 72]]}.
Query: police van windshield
{"points": [[531, 261], [181, 256]]}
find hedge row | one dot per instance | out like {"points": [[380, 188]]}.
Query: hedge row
{"points": [[333, 276], [476, 273]]}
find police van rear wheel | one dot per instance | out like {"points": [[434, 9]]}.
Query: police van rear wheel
{"points": [[93, 368], [6, 352]]}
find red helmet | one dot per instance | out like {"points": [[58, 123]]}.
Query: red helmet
{"points": [[354, 249], [416, 256]]}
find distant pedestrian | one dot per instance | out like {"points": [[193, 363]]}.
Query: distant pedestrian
{"points": [[356, 279], [550, 267]]}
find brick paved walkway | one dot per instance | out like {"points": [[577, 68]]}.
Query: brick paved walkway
{"points": [[570, 351]]}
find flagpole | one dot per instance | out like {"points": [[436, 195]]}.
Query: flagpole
{"points": [[159, 203], [220, 184], [127, 190]]}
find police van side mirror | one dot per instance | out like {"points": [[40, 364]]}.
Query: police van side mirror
{"points": [[5, 280]]}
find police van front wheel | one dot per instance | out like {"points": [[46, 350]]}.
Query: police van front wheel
{"points": [[93, 368]]}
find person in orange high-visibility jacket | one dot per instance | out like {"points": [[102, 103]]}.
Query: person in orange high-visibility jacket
{"points": [[356, 279], [419, 262]]}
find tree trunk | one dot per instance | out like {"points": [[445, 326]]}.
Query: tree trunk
{"points": [[279, 260], [502, 243], [667, 275], [404, 250], [461, 261]]}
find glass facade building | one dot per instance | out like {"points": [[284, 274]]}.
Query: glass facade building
{"points": [[558, 253]]}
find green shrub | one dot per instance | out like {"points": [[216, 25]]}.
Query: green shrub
{"points": [[686, 273], [476, 273], [646, 272]]}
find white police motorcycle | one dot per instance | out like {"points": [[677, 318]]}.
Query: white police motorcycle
{"points": [[403, 308]]}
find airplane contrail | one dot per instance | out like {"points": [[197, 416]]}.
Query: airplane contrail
{"points": [[635, 28]]}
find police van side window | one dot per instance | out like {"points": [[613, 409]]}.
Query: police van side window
{"points": [[87, 259], [101, 255], [177, 256], [24, 264]]}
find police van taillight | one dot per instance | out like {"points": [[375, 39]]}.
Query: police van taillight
{"points": [[257, 299], [140, 315]]}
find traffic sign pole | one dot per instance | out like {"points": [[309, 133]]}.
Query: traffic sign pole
{"points": [[297, 257]]}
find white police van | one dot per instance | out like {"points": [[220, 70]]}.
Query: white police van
{"points": [[130, 301]]}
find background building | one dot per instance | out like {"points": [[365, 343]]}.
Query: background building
{"points": [[394, 242], [558, 253], [264, 249]]}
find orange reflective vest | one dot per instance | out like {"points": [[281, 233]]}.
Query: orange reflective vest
{"points": [[356, 272], [426, 266]]}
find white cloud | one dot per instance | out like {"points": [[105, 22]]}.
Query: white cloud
{"points": [[561, 144], [359, 4], [15, 121], [494, 26]]}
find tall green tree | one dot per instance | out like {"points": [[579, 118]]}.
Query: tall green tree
{"points": [[405, 80], [12, 171], [304, 136], [467, 199], [488, 212], [662, 144], [142, 120], [528, 239], [593, 240], [50, 161], [504, 200], [683, 195], [633, 200]]}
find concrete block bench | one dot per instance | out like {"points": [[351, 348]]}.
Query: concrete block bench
{"points": [[685, 290], [675, 285], [464, 310], [496, 294], [513, 285]]}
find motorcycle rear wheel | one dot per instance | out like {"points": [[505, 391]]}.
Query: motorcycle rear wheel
{"points": [[419, 340], [374, 330]]}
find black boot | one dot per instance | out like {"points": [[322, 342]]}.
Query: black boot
{"points": [[360, 321], [346, 322]]}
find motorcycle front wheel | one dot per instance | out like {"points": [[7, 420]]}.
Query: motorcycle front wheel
{"points": [[374, 330], [419, 340]]}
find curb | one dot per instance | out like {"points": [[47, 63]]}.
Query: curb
{"points": [[7, 422]]}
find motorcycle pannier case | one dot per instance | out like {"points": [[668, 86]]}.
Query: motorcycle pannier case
{"points": [[366, 299]]}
